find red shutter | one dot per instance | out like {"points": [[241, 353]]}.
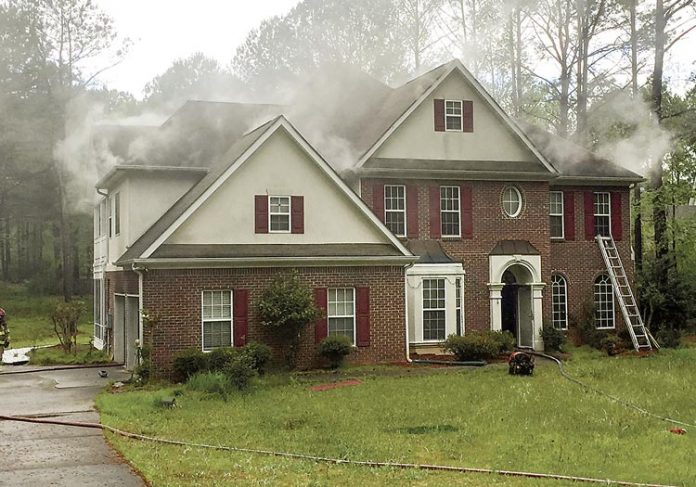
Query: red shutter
{"points": [[439, 114], [569, 215], [467, 116], [589, 215], [435, 230], [297, 213], [616, 220], [240, 317], [378, 201], [261, 213], [363, 316], [412, 210], [467, 212], [321, 302]]}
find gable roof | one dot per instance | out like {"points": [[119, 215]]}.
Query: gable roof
{"points": [[428, 83], [238, 153]]}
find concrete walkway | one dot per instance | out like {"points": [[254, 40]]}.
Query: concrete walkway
{"points": [[35, 454]]}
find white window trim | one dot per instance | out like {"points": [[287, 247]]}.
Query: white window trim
{"points": [[594, 211], [101, 314], [565, 301], [289, 214], [397, 211], [424, 309], [354, 316], [117, 214], [459, 307], [613, 303], [562, 215], [204, 321], [519, 208], [458, 212], [461, 116]]}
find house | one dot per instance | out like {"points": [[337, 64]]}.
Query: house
{"points": [[445, 217]]}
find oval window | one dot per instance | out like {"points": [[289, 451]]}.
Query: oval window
{"points": [[512, 201]]}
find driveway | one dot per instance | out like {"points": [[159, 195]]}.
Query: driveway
{"points": [[34, 454]]}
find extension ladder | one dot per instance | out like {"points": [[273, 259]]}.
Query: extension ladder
{"points": [[640, 335]]}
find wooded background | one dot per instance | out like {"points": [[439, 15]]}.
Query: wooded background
{"points": [[589, 70]]}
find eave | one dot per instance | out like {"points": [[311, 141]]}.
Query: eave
{"points": [[247, 262]]}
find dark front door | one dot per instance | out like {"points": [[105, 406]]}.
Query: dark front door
{"points": [[509, 303]]}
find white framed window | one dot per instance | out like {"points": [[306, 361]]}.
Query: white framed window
{"points": [[117, 214], [450, 217], [395, 209], [341, 312], [559, 302], [556, 214], [458, 306], [97, 221], [512, 201], [217, 319], [603, 302], [434, 309], [453, 115], [279, 214], [602, 214], [99, 312]]}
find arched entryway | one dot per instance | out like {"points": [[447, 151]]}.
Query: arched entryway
{"points": [[516, 305]]}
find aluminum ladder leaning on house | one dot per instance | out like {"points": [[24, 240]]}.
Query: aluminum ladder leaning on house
{"points": [[640, 335]]}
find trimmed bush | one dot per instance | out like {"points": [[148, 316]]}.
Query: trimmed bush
{"points": [[239, 372], [611, 344], [188, 363], [220, 357], [473, 346], [335, 349], [506, 340], [554, 339], [259, 355]]}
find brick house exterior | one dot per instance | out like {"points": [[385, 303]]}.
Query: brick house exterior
{"points": [[453, 218]]}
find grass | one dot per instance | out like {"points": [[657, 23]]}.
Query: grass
{"points": [[472, 417], [28, 317], [83, 355]]}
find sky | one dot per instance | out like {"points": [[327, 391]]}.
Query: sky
{"points": [[162, 31]]}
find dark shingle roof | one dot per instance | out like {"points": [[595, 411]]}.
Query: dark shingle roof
{"points": [[514, 247], [429, 252]]}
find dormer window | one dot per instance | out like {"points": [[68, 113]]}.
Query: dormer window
{"points": [[453, 115]]}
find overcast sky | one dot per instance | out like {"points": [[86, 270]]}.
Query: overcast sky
{"points": [[165, 30]]}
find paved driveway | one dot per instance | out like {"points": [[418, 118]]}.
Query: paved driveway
{"points": [[34, 454]]}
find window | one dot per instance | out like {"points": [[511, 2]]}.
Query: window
{"points": [[342, 312], [99, 309], [217, 319], [449, 211], [559, 302], [512, 201], [395, 209], [602, 214], [117, 214], [458, 306], [603, 302], [453, 115], [556, 213], [97, 221], [433, 309], [279, 214]]}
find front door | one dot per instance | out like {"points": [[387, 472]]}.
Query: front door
{"points": [[508, 303]]}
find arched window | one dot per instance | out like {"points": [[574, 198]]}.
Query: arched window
{"points": [[559, 302], [603, 302]]}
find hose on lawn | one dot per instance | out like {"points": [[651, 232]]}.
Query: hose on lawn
{"points": [[335, 461], [616, 399]]}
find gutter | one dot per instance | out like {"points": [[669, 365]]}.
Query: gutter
{"points": [[206, 262], [139, 271]]}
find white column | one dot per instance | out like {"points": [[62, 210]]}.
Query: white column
{"points": [[538, 319], [495, 300]]}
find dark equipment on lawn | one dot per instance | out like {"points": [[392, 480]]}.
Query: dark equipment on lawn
{"points": [[4, 331], [521, 363]]}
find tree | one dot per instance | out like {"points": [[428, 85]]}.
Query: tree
{"points": [[287, 307]]}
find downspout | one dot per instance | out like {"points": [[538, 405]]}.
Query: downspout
{"points": [[139, 272], [408, 340]]}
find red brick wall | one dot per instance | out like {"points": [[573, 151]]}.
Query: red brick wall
{"points": [[579, 261], [174, 296]]}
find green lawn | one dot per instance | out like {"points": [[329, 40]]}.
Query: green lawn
{"points": [[28, 317], [472, 417], [82, 355]]}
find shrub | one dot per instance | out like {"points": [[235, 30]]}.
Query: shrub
{"points": [[189, 363], [668, 337], [144, 368], [287, 307], [259, 355], [65, 317], [335, 349], [210, 383], [473, 346], [505, 340], [220, 357], [611, 344], [554, 339], [239, 372]]}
